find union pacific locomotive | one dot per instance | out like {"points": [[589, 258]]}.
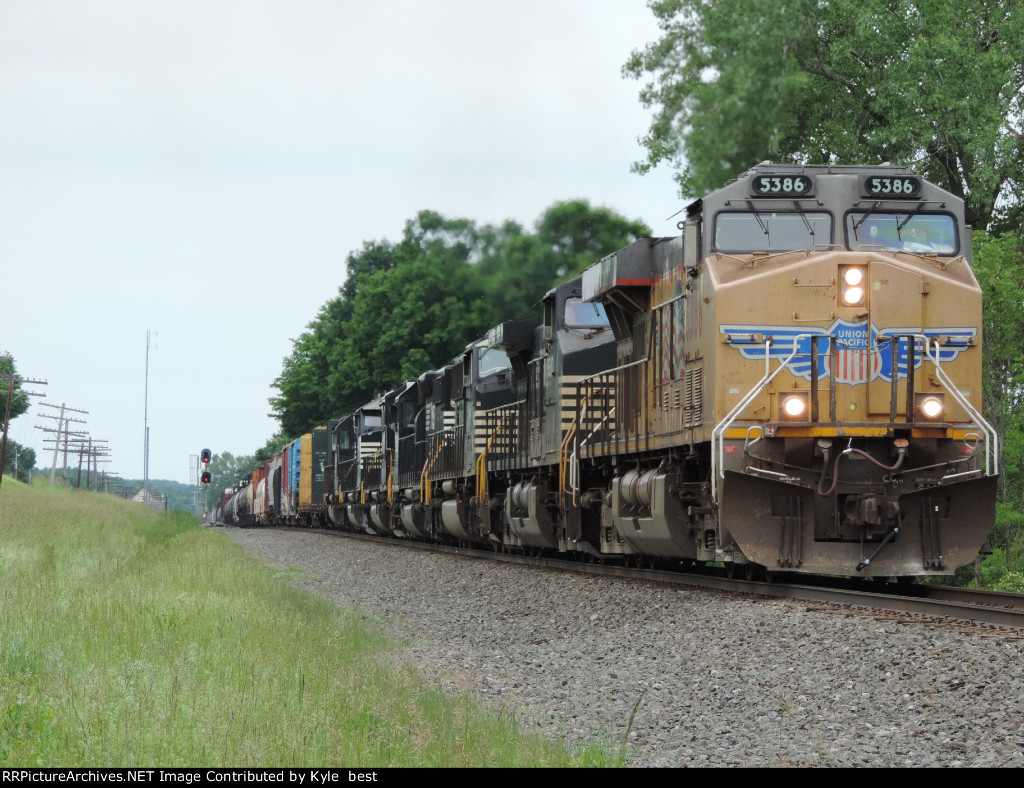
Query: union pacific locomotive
{"points": [[792, 384]]}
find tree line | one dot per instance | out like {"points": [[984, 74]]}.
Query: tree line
{"points": [[411, 306], [19, 461]]}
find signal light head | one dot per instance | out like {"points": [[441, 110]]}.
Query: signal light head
{"points": [[205, 456], [206, 477]]}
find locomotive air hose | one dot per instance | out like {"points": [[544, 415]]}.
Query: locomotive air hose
{"points": [[835, 469]]}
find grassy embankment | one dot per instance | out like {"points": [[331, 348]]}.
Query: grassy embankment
{"points": [[131, 638]]}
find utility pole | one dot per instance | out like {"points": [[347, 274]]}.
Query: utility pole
{"points": [[193, 475], [145, 421], [7, 414], [62, 426], [89, 451]]}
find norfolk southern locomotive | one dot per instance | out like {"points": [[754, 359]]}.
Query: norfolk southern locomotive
{"points": [[792, 384]]}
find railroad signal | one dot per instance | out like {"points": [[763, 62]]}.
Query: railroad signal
{"points": [[205, 456], [206, 477]]}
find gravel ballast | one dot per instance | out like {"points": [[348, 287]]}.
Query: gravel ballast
{"points": [[715, 679]]}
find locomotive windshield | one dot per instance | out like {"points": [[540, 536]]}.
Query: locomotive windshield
{"points": [[407, 414], [771, 231], [370, 422], [907, 232], [493, 361], [583, 314]]}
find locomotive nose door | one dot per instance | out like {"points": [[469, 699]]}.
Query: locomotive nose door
{"points": [[894, 307]]}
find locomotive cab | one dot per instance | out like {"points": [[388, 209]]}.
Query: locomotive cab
{"points": [[863, 428]]}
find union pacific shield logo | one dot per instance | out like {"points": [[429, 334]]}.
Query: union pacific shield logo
{"points": [[857, 360], [863, 353]]}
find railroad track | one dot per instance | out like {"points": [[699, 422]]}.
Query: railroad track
{"points": [[940, 602]]}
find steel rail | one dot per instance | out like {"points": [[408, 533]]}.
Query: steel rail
{"points": [[944, 602]]}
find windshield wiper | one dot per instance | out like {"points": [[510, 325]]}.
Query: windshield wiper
{"points": [[864, 218], [764, 227], [807, 224], [910, 216]]}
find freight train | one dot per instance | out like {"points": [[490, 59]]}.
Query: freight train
{"points": [[793, 383]]}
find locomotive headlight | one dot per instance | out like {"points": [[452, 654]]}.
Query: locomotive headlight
{"points": [[794, 407], [851, 288], [930, 407]]}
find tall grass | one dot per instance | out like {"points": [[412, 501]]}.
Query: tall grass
{"points": [[129, 638]]}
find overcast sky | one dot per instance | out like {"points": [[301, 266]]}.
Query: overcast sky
{"points": [[201, 169]]}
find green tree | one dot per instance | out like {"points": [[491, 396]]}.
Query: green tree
{"points": [[425, 308], [999, 267], [303, 383], [580, 234], [521, 267], [929, 83], [19, 402], [409, 307], [21, 457]]}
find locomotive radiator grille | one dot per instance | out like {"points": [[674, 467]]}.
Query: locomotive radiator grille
{"points": [[694, 411]]}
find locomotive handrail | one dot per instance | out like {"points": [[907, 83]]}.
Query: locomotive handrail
{"points": [[587, 380], [391, 475], [573, 461], [481, 461], [718, 434], [373, 461], [481, 475], [586, 440], [991, 437], [567, 462], [749, 444], [568, 465], [563, 455], [440, 443]]}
